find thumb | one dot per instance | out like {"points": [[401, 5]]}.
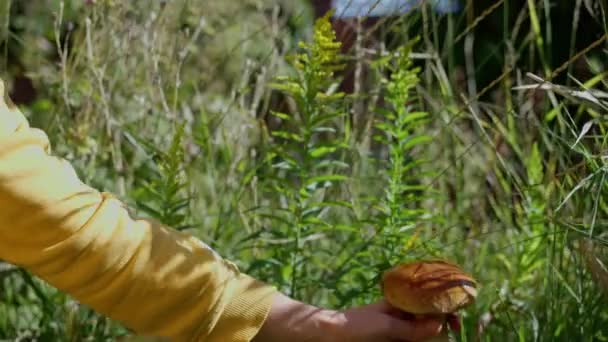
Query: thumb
{"points": [[414, 330]]}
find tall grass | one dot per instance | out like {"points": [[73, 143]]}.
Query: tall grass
{"points": [[477, 137]]}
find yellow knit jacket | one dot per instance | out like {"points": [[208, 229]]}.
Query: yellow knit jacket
{"points": [[155, 280]]}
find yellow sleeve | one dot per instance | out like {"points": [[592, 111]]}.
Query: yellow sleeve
{"points": [[156, 280]]}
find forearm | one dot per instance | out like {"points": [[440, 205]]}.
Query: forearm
{"points": [[294, 321]]}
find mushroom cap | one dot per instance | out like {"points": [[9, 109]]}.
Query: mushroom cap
{"points": [[428, 287]]}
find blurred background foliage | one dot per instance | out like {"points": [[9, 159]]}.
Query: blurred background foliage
{"points": [[477, 136]]}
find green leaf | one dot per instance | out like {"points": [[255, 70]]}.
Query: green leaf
{"points": [[320, 119], [287, 136], [280, 115], [325, 178], [535, 166], [315, 221], [413, 116], [418, 140], [342, 204], [152, 211], [321, 151]]}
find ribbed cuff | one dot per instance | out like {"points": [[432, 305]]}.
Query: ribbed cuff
{"points": [[246, 312]]}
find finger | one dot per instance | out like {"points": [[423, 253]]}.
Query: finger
{"points": [[384, 307], [420, 329], [401, 315]]}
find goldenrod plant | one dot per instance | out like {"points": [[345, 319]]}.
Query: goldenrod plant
{"points": [[304, 162]]}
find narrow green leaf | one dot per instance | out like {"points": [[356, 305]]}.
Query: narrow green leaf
{"points": [[280, 115], [418, 140], [325, 178], [321, 151]]}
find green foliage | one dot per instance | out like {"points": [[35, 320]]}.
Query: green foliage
{"points": [[226, 118], [397, 211], [400, 208], [163, 193], [304, 159]]}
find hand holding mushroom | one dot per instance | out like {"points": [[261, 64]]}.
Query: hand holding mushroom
{"points": [[429, 288], [430, 291]]}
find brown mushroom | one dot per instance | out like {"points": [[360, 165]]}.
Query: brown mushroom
{"points": [[429, 287]]}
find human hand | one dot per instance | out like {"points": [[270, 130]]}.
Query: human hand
{"points": [[380, 322], [293, 321]]}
